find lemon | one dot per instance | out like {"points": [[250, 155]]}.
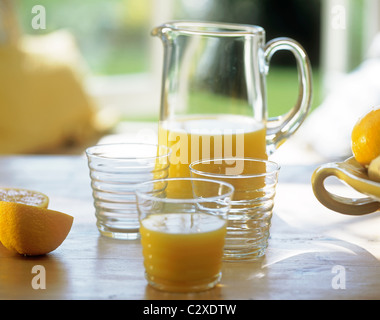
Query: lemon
{"points": [[32, 230], [25, 196]]}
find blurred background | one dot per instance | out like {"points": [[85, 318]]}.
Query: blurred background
{"points": [[115, 65]]}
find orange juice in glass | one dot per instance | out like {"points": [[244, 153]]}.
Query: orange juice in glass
{"points": [[182, 254], [183, 235], [193, 138]]}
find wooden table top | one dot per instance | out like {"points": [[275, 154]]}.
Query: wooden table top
{"points": [[313, 253]]}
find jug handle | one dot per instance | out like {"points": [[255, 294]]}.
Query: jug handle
{"points": [[282, 127], [348, 206]]}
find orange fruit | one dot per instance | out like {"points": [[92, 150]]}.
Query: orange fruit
{"points": [[30, 197], [365, 138], [32, 230], [25, 196]]}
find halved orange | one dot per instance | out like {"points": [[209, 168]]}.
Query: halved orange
{"points": [[25, 196], [32, 230]]}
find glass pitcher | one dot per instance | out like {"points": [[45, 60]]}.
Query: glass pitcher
{"points": [[213, 99]]}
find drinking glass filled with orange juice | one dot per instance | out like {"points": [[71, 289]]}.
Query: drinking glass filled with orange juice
{"points": [[183, 232]]}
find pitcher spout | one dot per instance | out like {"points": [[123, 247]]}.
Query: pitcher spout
{"points": [[161, 31], [156, 32]]}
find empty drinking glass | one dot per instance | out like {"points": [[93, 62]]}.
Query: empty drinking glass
{"points": [[250, 216], [115, 170]]}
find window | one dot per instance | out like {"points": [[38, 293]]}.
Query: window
{"points": [[348, 28], [124, 61]]}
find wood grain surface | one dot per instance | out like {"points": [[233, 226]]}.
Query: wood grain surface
{"points": [[313, 253]]}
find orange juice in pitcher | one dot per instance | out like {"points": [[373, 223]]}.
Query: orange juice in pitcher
{"points": [[193, 138]]}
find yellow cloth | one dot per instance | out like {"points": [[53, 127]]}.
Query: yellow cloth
{"points": [[43, 104]]}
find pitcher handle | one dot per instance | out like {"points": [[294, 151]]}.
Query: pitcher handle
{"points": [[281, 127]]}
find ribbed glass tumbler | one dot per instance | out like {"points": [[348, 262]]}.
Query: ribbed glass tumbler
{"points": [[249, 218], [183, 226], [115, 170]]}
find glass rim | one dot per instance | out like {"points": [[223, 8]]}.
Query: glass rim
{"points": [[90, 151], [186, 200], [222, 28], [275, 169]]}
